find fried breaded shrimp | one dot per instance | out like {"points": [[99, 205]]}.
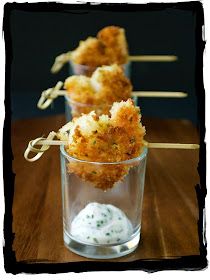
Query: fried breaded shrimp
{"points": [[111, 84], [114, 39], [109, 47], [105, 139], [90, 52], [79, 89], [107, 84]]}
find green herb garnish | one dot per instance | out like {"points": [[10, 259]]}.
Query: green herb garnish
{"points": [[95, 239]]}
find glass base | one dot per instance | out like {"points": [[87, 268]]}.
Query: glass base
{"points": [[101, 251]]}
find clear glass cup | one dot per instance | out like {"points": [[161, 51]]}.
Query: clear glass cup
{"points": [[78, 69], [102, 220], [75, 109]]}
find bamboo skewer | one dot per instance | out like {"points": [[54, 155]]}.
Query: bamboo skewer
{"points": [[50, 94], [47, 142], [160, 94], [61, 59], [39, 152], [153, 58], [151, 145], [42, 141], [146, 144]]}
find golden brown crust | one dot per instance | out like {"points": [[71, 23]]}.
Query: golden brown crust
{"points": [[115, 86], [114, 39], [90, 52], [109, 139], [102, 177], [79, 89], [109, 47], [108, 84]]}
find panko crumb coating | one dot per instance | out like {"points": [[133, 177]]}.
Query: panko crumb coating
{"points": [[109, 47], [90, 52], [116, 44], [107, 84], [105, 139]]}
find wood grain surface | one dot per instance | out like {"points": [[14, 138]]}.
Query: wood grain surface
{"points": [[170, 212]]}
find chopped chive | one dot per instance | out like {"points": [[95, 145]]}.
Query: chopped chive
{"points": [[95, 239], [92, 216], [119, 231], [118, 239], [132, 140], [107, 233], [88, 237]]}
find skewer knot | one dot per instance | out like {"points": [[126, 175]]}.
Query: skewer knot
{"points": [[48, 96], [38, 151], [60, 60]]}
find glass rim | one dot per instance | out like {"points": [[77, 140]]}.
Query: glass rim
{"points": [[86, 104], [128, 161], [95, 67]]}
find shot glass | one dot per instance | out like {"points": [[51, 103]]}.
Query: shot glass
{"points": [[78, 69], [102, 205], [75, 109]]}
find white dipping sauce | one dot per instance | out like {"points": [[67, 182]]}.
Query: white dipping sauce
{"points": [[101, 224]]}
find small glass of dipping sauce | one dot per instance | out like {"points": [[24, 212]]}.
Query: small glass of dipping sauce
{"points": [[100, 222], [79, 69], [76, 109]]}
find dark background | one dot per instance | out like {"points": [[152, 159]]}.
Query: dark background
{"points": [[38, 37]]}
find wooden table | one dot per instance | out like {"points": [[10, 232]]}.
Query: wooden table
{"points": [[170, 211]]}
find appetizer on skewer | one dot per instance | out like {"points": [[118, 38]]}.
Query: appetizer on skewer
{"points": [[107, 84], [108, 47], [114, 138], [105, 139]]}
